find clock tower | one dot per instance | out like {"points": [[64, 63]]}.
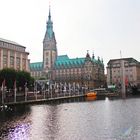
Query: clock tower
{"points": [[49, 48]]}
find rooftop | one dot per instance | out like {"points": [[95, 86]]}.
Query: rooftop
{"points": [[37, 66], [65, 62], [11, 42]]}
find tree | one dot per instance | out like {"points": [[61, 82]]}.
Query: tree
{"points": [[9, 75], [21, 77]]}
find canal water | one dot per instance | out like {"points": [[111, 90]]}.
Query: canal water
{"points": [[84, 119]]}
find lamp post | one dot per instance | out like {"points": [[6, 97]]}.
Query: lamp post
{"points": [[110, 74], [15, 91], [2, 91], [26, 91], [88, 81]]}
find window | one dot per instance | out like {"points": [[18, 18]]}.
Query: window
{"points": [[47, 53], [126, 70], [11, 61], [118, 65], [4, 61], [1, 43], [47, 61], [24, 63], [18, 63], [18, 54], [11, 53], [5, 52]]}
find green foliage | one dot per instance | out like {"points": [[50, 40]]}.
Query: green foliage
{"points": [[42, 78], [10, 75], [22, 78]]}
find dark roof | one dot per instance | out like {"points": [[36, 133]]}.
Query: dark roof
{"points": [[129, 59]]}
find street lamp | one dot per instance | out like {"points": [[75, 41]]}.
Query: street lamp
{"points": [[88, 77], [110, 73]]}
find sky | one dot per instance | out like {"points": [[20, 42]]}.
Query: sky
{"points": [[105, 27]]}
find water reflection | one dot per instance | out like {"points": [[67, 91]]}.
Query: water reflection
{"points": [[13, 124], [20, 132], [73, 119], [46, 117], [91, 98], [69, 100]]}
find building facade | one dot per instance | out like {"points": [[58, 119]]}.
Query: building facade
{"points": [[13, 55], [127, 66], [84, 71]]}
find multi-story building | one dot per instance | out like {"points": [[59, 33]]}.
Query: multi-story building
{"points": [[129, 67], [84, 71], [13, 55]]}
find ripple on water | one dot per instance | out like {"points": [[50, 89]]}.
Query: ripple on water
{"points": [[99, 120]]}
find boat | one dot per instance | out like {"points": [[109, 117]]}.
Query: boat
{"points": [[91, 94]]}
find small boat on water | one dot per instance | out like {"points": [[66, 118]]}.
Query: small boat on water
{"points": [[91, 94]]}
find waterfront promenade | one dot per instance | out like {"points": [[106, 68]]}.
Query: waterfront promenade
{"points": [[28, 97], [34, 97]]}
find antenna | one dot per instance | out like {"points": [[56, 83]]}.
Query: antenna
{"points": [[120, 54], [49, 4]]}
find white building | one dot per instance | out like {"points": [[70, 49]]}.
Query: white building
{"points": [[131, 71]]}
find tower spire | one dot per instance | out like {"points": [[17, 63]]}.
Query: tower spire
{"points": [[49, 17], [93, 56], [49, 31]]}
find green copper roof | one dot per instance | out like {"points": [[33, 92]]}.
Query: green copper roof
{"points": [[62, 58], [50, 32], [38, 66], [65, 61]]}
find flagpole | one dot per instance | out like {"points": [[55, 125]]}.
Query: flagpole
{"points": [[15, 94], [2, 90], [26, 91], [123, 90], [35, 90]]}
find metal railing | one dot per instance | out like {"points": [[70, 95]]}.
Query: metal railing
{"points": [[46, 94]]}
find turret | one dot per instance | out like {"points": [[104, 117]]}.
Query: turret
{"points": [[87, 56]]}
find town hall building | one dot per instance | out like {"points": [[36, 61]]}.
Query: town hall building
{"points": [[60, 68]]}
